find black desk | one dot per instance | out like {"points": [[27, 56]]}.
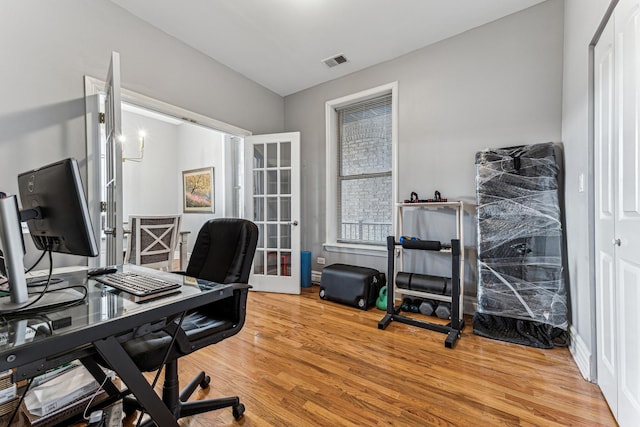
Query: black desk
{"points": [[96, 328]]}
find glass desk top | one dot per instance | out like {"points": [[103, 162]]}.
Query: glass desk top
{"points": [[105, 312]]}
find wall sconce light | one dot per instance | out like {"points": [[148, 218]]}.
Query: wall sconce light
{"points": [[141, 135]]}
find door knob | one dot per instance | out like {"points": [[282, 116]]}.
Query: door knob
{"points": [[617, 242], [294, 223]]}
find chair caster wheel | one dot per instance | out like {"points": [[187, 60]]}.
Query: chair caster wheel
{"points": [[238, 411], [205, 381], [128, 408]]}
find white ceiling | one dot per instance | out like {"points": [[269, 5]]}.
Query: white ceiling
{"points": [[280, 43]]}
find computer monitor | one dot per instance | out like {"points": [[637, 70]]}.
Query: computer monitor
{"points": [[56, 190], [55, 209]]}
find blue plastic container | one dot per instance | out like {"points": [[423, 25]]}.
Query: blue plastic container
{"points": [[305, 274]]}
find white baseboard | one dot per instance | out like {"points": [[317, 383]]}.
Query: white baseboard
{"points": [[581, 354], [315, 276]]}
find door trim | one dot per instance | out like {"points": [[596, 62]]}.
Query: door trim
{"points": [[590, 371], [94, 86]]}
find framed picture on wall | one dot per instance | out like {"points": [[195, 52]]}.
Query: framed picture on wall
{"points": [[198, 190]]}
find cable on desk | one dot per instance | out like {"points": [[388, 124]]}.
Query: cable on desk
{"points": [[44, 252], [53, 307], [42, 294]]}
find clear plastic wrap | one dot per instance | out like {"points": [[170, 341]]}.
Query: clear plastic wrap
{"points": [[521, 259]]}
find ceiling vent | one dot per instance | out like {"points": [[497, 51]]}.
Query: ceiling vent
{"points": [[335, 60]]}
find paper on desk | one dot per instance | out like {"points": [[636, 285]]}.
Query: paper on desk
{"points": [[60, 391]]}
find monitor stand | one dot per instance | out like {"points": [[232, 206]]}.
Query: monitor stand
{"points": [[12, 245]]}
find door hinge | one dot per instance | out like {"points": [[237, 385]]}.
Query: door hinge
{"points": [[101, 118], [103, 206]]}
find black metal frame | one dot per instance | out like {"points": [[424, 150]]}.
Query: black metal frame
{"points": [[454, 328]]}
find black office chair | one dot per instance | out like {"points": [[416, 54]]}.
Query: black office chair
{"points": [[223, 253]]}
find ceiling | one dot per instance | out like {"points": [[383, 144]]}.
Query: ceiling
{"points": [[280, 44]]}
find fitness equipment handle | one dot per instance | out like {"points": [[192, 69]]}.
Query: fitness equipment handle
{"points": [[427, 245]]}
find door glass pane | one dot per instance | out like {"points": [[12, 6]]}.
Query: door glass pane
{"points": [[285, 208], [272, 155], [258, 156], [258, 208], [258, 263], [285, 154], [258, 182], [272, 263], [285, 263], [272, 208], [285, 182], [285, 236], [260, 235], [272, 182], [272, 236]]}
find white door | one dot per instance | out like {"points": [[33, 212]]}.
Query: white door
{"points": [[627, 224], [113, 224], [617, 146], [272, 201], [605, 167]]}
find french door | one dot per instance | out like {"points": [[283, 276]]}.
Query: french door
{"points": [[272, 201], [104, 162], [113, 227]]}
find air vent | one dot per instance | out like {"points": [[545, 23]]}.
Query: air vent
{"points": [[335, 60]]}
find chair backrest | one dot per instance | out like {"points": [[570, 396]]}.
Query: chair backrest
{"points": [[152, 240], [224, 250]]}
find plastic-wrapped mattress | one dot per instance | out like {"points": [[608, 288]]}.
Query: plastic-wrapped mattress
{"points": [[521, 247]]}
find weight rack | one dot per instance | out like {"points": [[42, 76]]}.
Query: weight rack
{"points": [[454, 328]]}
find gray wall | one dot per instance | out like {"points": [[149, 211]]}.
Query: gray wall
{"points": [[47, 48], [494, 86], [580, 23], [151, 186], [200, 147]]}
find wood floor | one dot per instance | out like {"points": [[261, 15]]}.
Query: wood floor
{"points": [[300, 361]]}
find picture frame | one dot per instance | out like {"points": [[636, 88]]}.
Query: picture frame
{"points": [[198, 195]]}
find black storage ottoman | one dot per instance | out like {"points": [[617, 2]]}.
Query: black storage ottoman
{"points": [[351, 285]]}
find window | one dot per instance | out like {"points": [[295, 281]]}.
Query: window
{"points": [[364, 172], [361, 146]]}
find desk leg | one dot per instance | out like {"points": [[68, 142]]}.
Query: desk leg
{"points": [[129, 373], [97, 372]]}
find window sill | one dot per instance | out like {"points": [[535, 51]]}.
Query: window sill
{"points": [[345, 248]]}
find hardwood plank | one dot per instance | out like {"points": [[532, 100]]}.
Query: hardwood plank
{"points": [[302, 361]]}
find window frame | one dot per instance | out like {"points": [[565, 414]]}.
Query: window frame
{"points": [[332, 146]]}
